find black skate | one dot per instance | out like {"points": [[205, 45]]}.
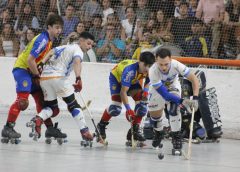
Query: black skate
{"points": [[56, 134], [156, 143], [213, 135], [177, 143], [9, 134], [87, 138], [134, 137], [100, 133], [35, 125]]}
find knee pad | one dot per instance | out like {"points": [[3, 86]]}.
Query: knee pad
{"points": [[71, 103], [114, 110], [54, 107], [23, 103], [141, 109]]}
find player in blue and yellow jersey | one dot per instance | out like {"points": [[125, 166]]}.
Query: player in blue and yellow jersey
{"points": [[124, 81], [27, 76]]}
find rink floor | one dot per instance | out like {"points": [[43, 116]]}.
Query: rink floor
{"points": [[38, 156]]}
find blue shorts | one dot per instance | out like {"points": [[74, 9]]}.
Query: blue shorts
{"points": [[23, 81], [115, 86]]}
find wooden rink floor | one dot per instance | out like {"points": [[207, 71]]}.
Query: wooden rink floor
{"points": [[116, 157]]}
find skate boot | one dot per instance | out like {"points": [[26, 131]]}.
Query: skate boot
{"points": [[137, 140], [177, 143], [213, 135], [87, 137], [102, 130], [9, 134], [56, 134], [35, 125], [157, 139]]}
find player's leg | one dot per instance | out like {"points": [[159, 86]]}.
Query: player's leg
{"points": [[156, 106], [77, 114], [23, 88], [114, 109]]}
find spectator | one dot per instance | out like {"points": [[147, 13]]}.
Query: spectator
{"points": [[192, 8], [90, 8], [5, 17], [30, 34], [9, 44], [212, 13], [196, 45], [70, 21], [96, 29], [142, 11], [26, 20], [177, 8], [181, 26], [106, 4], [112, 19], [111, 48], [121, 10]]}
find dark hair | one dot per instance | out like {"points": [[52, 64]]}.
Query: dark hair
{"points": [[163, 52], [54, 19], [147, 58], [86, 35], [183, 3]]}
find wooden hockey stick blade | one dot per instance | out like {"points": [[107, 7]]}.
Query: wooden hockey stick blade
{"points": [[88, 104]]}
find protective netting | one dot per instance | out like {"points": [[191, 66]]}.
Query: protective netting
{"points": [[124, 28]]}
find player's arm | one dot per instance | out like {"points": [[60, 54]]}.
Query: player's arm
{"points": [[33, 65], [124, 97], [195, 83], [77, 68]]}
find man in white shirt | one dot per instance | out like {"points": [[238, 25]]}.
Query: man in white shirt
{"points": [[166, 89], [59, 63]]}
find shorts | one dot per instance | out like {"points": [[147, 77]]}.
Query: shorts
{"points": [[57, 87]]}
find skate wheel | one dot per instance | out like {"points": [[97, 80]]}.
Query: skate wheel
{"points": [[31, 135], [13, 141], [60, 141], [128, 144], [161, 145], [90, 144], [48, 141], [4, 141], [160, 156]]}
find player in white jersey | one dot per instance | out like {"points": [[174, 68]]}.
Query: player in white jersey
{"points": [[60, 62], [166, 89]]}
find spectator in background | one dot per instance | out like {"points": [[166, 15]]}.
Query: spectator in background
{"points": [[196, 45], [192, 8], [42, 7], [90, 8], [121, 10], [107, 9], [9, 44], [111, 48], [177, 8], [25, 20], [112, 19], [5, 17], [30, 34], [181, 26], [161, 28], [70, 21], [212, 13], [74, 36], [142, 11], [96, 29]]}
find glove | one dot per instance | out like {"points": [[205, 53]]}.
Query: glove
{"points": [[78, 84], [195, 103], [189, 104], [145, 94], [36, 79], [130, 115], [40, 67]]}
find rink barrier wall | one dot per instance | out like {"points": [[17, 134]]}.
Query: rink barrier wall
{"points": [[96, 88]]}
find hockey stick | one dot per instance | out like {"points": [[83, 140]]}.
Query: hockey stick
{"points": [[189, 150], [101, 140]]}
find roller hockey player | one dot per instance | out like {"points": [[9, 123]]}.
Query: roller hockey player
{"points": [[58, 64], [26, 76], [208, 111], [165, 88], [124, 81]]}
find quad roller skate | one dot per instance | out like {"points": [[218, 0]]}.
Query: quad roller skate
{"points": [[87, 138], [156, 143], [9, 134], [56, 134], [177, 143], [213, 135], [35, 125], [134, 137], [100, 133]]}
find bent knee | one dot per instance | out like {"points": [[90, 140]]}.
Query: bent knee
{"points": [[23, 103], [114, 110]]}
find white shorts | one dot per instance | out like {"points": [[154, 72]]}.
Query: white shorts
{"points": [[57, 87], [157, 102]]}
